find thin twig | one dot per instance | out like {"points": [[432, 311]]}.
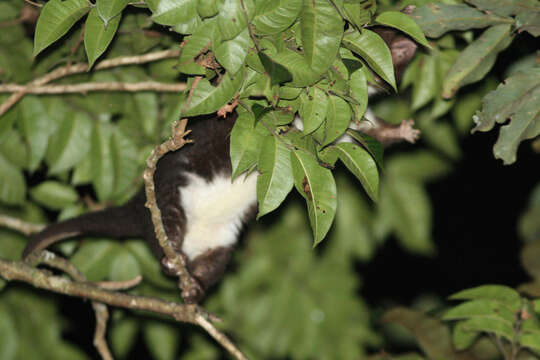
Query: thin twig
{"points": [[119, 285], [174, 260], [100, 341], [79, 68], [219, 337], [33, 3], [20, 225], [94, 86]]}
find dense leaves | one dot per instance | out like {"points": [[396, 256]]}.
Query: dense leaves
{"points": [[278, 59]]}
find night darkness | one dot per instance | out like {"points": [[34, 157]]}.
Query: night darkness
{"points": [[475, 214]]}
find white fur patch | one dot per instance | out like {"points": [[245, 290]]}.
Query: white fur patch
{"points": [[214, 211]]}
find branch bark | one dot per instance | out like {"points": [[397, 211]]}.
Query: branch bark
{"points": [[79, 68], [94, 86]]}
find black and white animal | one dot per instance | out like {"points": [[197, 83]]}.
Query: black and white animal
{"points": [[202, 209]]}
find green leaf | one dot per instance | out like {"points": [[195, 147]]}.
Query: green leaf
{"points": [[370, 144], [426, 85], [232, 19], [404, 23], [150, 267], [506, 7], [338, 117], [275, 16], [201, 39], [477, 59], [480, 308], [246, 138], [54, 195], [231, 54], [108, 9], [36, 127], [490, 325], [359, 92], [316, 184], [55, 19], [504, 294], [124, 267], [208, 8], [70, 143], [420, 166], [360, 12], [125, 162], [98, 36], [9, 339], [207, 99], [182, 14], [361, 164], [276, 178], [297, 66], [502, 103], [524, 124], [462, 338], [438, 18], [12, 183], [372, 48], [408, 205], [322, 30], [102, 166], [162, 340], [313, 109], [530, 340], [94, 258], [123, 334]]}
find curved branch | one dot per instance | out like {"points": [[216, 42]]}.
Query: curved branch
{"points": [[94, 86]]}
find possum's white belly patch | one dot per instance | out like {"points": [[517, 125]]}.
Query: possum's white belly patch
{"points": [[214, 210]]}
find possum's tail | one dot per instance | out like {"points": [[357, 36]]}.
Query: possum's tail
{"points": [[124, 221]]}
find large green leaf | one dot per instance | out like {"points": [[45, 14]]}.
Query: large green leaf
{"points": [[207, 99], [437, 18], [126, 164], [296, 65], [501, 293], [359, 92], [231, 54], [36, 126], [338, 117], [404, 23], [55, 19], [54, 195], [122, 334], [407, 205], [313, 109], [200, 41], [359, 12], [108, 9], [322, 30], [162, 339], [12, 183], [506, 7], [182, 14], [276, 179], [124, 267], [316, 184], [70, 143], [518, 99], [9, 338], [372, 48], [94, 258], [102, 166], [275, 16], [246, 138], [477, 59], [361, 164], [98, 36], [233, 17], [373, 146], [426, 86]]}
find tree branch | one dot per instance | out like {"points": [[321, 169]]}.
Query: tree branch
{"points": [[173, 260], [79, 68], [19, 225], [94, 86]]}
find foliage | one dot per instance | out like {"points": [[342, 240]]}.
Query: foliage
{"points": [[312, 58]]}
